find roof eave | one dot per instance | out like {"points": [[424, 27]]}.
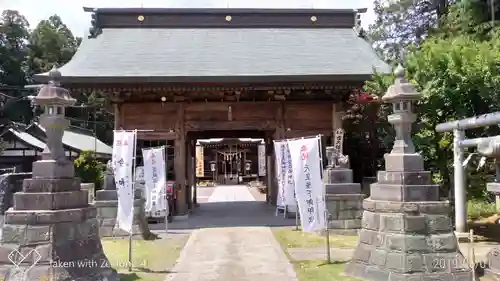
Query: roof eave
{"points": [[43, 78]]}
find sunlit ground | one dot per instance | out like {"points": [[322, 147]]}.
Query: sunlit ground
{"points": [[151, 260]]}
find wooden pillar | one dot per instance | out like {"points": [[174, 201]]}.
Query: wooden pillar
{"points": [[279, 134], [180, 162], [337, 113], [118, 117]]}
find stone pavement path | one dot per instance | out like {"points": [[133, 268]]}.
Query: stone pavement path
{"points": [[222, 252]]}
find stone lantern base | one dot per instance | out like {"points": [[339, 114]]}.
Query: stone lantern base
{"points": [[407, 232], [344, 201], [52, 233], [107, 207]]}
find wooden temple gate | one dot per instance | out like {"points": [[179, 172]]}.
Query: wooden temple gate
{"points": [[184, 123], [191, 74]]}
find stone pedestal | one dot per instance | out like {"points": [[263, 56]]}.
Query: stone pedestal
{"points": [[106, 202], [407, 233], [494, 255], [344, 201], [52, 232]]}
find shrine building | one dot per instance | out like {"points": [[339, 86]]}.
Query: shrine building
{"points": [[180, 75]]}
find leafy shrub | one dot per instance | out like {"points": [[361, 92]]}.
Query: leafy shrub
{"points": [[480, 209], [89, 169]]}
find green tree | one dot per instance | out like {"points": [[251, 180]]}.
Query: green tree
{"points": [[459, 78], [13, 51], [13, 37], [403, 23], [51, 44]]}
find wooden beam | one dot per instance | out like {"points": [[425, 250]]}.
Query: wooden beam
{"points": [[230, 125], [156, 135], [337, 113], [117, 111]]}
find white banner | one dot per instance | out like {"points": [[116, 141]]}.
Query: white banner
{"points": [[309, 188], [123, 162], [284, 174], [262, 159], [280, 173], [155, 181]]}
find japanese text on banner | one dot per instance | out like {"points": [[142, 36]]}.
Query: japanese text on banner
{"points": [[155, 180], [286, 193], [309, 190], [123, 161]]}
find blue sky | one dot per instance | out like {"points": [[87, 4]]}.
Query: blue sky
{"points": [[72, 13]]}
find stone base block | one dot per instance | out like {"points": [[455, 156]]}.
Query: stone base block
{"points": [[406, 178], [49, 217], [50, 185], [395, 162], [338, 175], [56, 252], [343, 188], [345, 207], [50, 200], [106, 195], [374, 273], [106, 213], [493, 187], [50, 169], [493, 274], [404, 193], [345, 224]]}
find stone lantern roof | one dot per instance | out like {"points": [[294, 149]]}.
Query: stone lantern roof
{"points": [[52, 94], [401, 90]]}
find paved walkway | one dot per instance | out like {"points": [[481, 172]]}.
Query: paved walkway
{"points": [[233, 243]]}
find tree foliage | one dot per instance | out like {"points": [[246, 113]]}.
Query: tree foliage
{"points": [[89, 169], [403, 23], [25, 52], [14, 34], [51, 44]]}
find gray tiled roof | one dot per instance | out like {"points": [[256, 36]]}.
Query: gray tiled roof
{"points": [[31, 140], [223, 52], [83, 142]]}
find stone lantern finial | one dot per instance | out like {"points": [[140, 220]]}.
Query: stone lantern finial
{"points": [[54, 99]]}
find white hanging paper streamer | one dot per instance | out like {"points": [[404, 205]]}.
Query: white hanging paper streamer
{"points": [[466, 161], [481, 163]]}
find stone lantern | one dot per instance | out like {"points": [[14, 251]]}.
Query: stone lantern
{"points": [[406, 232], [51, 222], [54, 99], [402, 95]]}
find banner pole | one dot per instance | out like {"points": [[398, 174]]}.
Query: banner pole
{"points": [[133, 196], [327, 232], [297, 215]]}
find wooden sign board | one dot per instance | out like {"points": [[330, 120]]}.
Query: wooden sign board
{"points": [[338, 142], [200, 169]]}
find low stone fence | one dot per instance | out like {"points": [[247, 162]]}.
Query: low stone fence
{"points": [[9, 184]]}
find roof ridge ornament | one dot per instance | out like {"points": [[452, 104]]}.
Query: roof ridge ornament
{"points": [[94, 29]]}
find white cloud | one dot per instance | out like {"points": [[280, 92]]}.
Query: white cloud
{"points": [[72, 13]]}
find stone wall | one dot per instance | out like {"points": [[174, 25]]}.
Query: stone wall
{"points": [[10, 184]]}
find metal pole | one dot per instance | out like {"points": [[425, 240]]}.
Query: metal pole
{"points": [[459, 182], [296, 215], [492, 13], [327, 232], [470, 123], [133, 196]]}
